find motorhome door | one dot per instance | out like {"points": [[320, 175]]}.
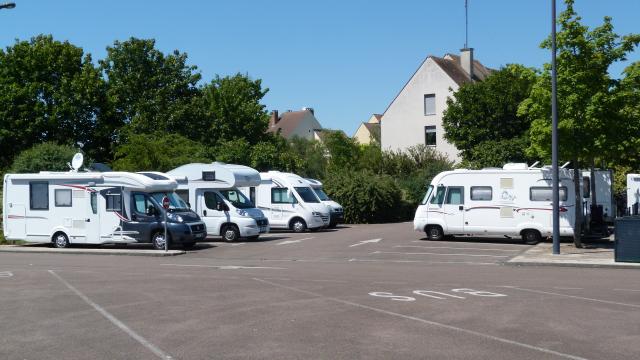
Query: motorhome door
{"points": [[92, 221], [212, 217], [454, 209]]}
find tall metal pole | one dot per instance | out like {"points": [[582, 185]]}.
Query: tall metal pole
{"points": [[554, 136], [466, 24]]}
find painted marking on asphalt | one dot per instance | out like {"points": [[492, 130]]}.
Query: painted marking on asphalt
{"points": [[293, 241], [453, 248], [430, 253], [161, 354], [571, 296], [567, 288], [626, 290], [424, 321], [366, 242], [226, 267], [421, 261], [475, 243], [6, 274]]}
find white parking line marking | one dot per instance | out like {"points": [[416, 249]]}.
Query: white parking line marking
{"points": [[293, 241], [626, 290], [567, 288], [429, 253], [570, 296], [366, 242], [421, 261], [454, 248], [161, 354], [226, 267], [424, 321], [472, 243], [6, 274]]}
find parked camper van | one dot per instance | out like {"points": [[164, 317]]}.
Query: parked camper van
{"points": [[212, 192], [513, 201], [633, 194], [288, 201], [604, 193], [68, 208], [336, 213]]}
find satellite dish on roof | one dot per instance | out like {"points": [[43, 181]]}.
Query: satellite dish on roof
{"points": [[76, 162]]}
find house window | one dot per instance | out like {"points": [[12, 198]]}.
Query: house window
{"points": [[63, 197], [539, 193], [39, 195], [430, 104], [430, 135]]}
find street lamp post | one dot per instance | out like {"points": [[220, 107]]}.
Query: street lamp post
{"points": [[554, 136], [10, 5]]}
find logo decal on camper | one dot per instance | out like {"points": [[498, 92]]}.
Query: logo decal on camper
{"points": [[79, 187]]}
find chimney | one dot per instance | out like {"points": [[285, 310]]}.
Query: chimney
{"points": [[274, 118], [309, 109], [466, 61]]}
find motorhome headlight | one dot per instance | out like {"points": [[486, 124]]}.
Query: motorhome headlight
{"points": [[175, 217], [315, 213], [242, 212]]}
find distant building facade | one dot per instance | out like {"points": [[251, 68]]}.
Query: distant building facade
{"points": [[415, 115], [369, 131], [301, 123]]}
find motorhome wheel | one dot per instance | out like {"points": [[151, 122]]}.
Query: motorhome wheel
{"points": [[157, 239], [298, 225], [435, 233], [531, 237], [230, 233], [60, 240]]}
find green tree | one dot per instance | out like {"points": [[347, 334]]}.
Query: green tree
{"points": [[342, 150], [314, 154], [233, 110], [234, 151], [49, 91], [586, 96], [481, 113], [157, 152], [47, 156], [150, 91], [626, 130]]}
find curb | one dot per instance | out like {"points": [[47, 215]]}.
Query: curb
{"points": [[577, 265], [133, 252]]}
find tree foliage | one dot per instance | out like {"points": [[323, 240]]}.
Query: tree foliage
{"points": [[47, 156], [481, 113]]}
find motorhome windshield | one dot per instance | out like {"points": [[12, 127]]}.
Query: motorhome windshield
{"points": [[237, 199], [438, 198], [322, 195], [426, 197], [307, 194], [175, 202]]}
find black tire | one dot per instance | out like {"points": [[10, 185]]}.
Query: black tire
{"points": [[230, 233], [531, 237], [60, 240], [298, 225], [333, 225], [434, 233], [157, 240], [188, 245]]}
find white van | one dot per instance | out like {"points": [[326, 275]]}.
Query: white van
{"points": [[336, 213], [67, 208], [513, 201], [288, 201], [633, 194], [211, 191]]}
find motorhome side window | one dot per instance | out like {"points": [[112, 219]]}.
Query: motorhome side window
{"points": [[39, 195], [481, 193], [438, 198], [455, 195], [62, 197], [211, 200], [141, 203], [545, 193], [114, 202], [94, 202], [282, 196]]}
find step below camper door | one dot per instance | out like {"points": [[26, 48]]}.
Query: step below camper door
{"points": [[454, 210]]}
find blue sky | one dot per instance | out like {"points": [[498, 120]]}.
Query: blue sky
{"points": [[347, 59]]}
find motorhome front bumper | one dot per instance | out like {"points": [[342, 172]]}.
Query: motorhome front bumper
{"points": [[263, 225], [336, 218], [187, 232]]}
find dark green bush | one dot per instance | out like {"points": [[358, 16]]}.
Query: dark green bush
{"points": [[47, 156]]}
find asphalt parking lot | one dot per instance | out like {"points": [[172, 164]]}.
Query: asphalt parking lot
{"points": [[359, 292]]}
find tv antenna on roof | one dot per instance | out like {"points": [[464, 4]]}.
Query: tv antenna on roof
{"points": [[466, 24]]}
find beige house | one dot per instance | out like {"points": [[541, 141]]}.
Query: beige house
{"points": [[301, 123], [415, 115], [369, 131]]}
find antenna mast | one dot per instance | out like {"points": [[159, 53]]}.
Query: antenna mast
{"points": [[466, 24]]}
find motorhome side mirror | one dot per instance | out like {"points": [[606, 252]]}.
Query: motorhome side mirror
{"points": [[151, 210]]}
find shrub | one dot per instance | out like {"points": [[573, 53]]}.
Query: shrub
{"points": [[47, 156]]}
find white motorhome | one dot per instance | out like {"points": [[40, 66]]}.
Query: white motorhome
{"points": [[336, 213], [512, 201], [604, 193], [288, 201], [633, 194], [67, 208], [212, 192]]}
